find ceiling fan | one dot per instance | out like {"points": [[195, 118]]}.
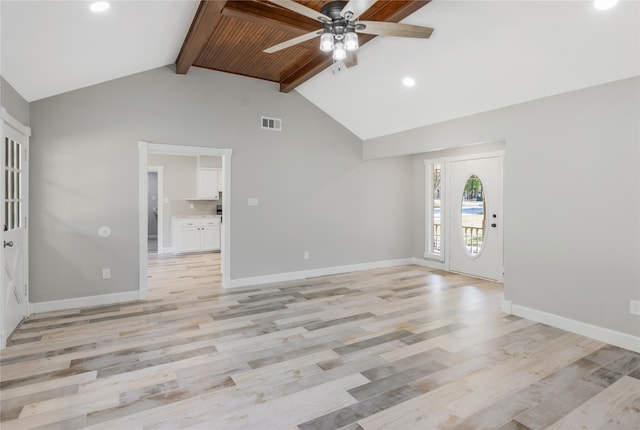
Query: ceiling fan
{"points": [[341, 24]]}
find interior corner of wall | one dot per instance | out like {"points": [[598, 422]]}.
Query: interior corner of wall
{"points": [[507, 306]]}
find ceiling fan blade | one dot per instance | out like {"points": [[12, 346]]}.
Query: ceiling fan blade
{"points": [[356, 7], [294, 41], [381, 28], [301, 9], [351, 60]]}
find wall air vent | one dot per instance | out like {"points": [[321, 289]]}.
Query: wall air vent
{"points": [[271, 123]]}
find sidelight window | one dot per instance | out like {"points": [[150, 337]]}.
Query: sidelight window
{"points": [[434, 210]]}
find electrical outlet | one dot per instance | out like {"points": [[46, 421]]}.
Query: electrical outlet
{"points": [[306, 255], [106, 273], [634, 307]]}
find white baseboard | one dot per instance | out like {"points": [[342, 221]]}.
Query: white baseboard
{"points": [[431, 264], [623, 340], [167, 250], [507, 307], [292, 276], [84, 302]]}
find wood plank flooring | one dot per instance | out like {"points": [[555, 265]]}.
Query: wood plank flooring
{"points": [[398, 348]]}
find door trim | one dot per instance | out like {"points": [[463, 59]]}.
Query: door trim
{"points": [[444, 263], [15, 124], [144, 148]]}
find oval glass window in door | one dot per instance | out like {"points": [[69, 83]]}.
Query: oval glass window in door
{"points": [[473, 215]]}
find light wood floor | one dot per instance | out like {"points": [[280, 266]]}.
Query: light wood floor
{"points": [[398, 348]]}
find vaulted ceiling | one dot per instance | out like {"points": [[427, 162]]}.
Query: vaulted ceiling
{"points": [[482, 54], [230, 36]]}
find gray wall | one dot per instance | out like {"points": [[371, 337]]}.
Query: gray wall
{"points": [[571, 198], [315, 191], [14, 103]]}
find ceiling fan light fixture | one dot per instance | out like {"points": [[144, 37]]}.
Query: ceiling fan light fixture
{"points": [[351, 41], [326, 42], [339, 53], [339, 19]]}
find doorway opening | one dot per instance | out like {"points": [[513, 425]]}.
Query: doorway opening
{"points": [[193, 197], [152, 213], [155, 209]]}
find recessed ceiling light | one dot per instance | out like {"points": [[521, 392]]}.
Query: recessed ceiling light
{"points": [[99, 6], [408, 82], [604, 4]]}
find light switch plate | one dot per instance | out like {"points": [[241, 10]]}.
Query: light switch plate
{"points": [[252, 201], [634, 307]]}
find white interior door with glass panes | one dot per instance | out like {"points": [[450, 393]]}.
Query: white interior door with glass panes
{"points": [[475, 217], [15, 294]]}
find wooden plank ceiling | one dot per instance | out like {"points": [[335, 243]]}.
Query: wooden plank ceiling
{"points": [[229, 36]]}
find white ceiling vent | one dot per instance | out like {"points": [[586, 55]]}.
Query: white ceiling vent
{"points": [[271, 123]]}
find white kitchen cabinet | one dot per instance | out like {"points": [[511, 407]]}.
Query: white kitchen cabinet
{"points": [[188, 238], [207, 186], [195, 234], [210, 237]]}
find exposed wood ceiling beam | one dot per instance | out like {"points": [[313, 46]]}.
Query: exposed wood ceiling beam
{"points": [[320, 61], [206, 19], [272, 16], [227, 20]]}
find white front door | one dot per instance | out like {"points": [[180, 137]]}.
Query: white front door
{"points": [[475, 217], [15, 299]]}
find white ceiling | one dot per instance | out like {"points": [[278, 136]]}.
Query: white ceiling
{"points": [[482, 55], [51, 47]]}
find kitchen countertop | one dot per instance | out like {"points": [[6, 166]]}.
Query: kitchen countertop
{"points": [[197, 217]]}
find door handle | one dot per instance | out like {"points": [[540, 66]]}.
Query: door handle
{"points": [[9, 244]]}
